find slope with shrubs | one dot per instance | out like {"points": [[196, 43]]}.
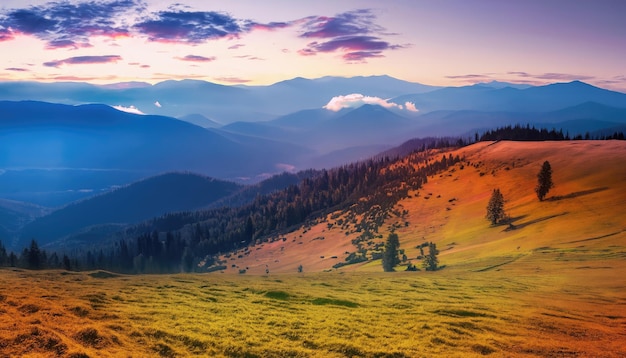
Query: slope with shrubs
{"points": [[584, 211]]}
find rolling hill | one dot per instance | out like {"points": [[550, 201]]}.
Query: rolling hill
{"points": [[582, 218]]}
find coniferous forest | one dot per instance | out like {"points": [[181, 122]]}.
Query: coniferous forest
{"points": [[191, 241]]}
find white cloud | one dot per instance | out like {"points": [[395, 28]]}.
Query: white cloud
{"points": [[410, 106], [286, 167], [356, 100], [157, 104], [130, 109]]}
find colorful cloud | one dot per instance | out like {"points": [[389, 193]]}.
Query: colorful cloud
{"points": [[351, 33], [345, 24], [65, 24], [192, 27]]}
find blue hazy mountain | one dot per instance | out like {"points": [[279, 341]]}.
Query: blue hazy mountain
{"points": [[223, 104], [200, 121], [551, 97], [155, 196], [44, 135], [499, 84]]}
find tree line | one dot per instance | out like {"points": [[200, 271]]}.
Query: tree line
{"points": [[530, 133]]}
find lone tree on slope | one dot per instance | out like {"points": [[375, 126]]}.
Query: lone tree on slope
{"points": [[390, 255], [544, 181], [431, 262], [495, 208]]}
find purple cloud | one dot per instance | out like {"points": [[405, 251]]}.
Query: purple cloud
{"points": [[83, 60], [354, 33], [195, 58], [65, 24], [17, 69], [252, 26], [355, 48], [193, 27], [346, 24], [236, 46], [361, 56]]}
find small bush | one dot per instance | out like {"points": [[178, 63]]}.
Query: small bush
{"points": [[277, 295], [164, 350], [335, 302], [483, 350], [29, 308], [90, 337]]}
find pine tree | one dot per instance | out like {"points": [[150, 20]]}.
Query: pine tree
{"points": [[431, 262], [390, 255], [544, 181], [34, 256], [495, 208]]}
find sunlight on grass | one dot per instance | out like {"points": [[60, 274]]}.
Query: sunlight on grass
{"points": [[448, 313]]}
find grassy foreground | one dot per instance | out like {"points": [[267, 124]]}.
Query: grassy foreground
{"points": [[521, 310]]}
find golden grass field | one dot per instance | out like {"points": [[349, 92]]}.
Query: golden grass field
{"points": [[554, 285]]}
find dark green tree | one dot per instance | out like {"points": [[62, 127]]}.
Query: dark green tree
{"points": [[67, 265], [34, 256], [431, 262], [544, 181], [390, 255], [4, 258], [495, 208]]}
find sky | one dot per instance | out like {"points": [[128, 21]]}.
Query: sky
{"points": [[434, 42]]}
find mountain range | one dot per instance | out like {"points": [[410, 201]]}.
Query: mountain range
{"points": [[63, 142]]}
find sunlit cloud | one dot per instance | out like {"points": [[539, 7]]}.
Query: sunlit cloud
{"points": [[129, 109], [84, 60], [157, 104], [355, 100], [410, 106]]}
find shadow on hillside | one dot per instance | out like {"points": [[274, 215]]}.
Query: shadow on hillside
{"points": [[577, 194], [512, 226]]}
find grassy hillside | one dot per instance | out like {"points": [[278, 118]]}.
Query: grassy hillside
{"points": [[549, 286], [582, 215]]}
